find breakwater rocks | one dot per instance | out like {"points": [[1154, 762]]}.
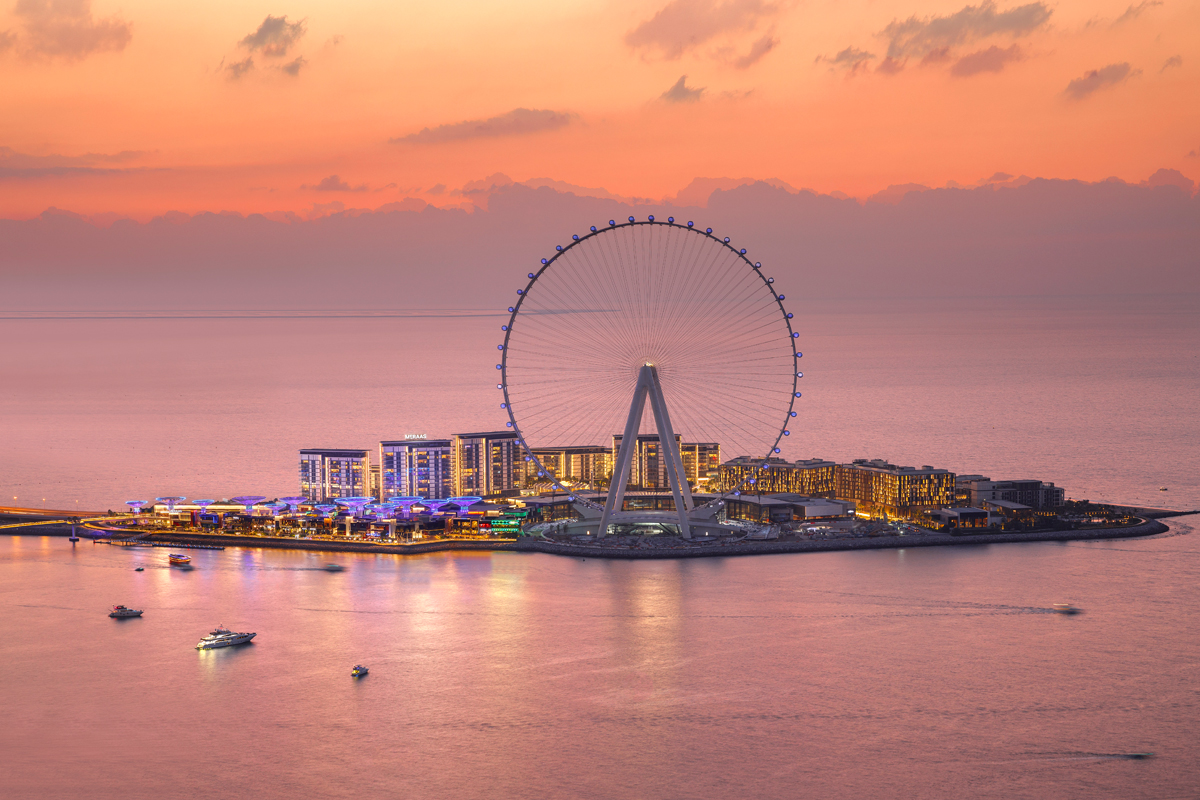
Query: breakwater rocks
{"points": [[1146, 528], [532, 545]]}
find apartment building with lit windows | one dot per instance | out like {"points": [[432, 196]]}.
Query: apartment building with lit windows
{"points": [[590, 465], [327, 474], [701, 463], [486, 464], [417, 467], [883, 489], [648, 468], [812, 477]]}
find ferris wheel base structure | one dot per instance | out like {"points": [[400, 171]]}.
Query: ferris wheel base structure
{"points": [[700, 522], [687, 517]]}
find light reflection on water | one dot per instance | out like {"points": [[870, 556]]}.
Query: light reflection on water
{"points": [[925, 672]]}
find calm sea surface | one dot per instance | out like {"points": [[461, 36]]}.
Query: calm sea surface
{"points": [[931, 673], [1099, 395], [913, 673]]}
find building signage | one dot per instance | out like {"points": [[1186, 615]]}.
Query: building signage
{"points": [[415, 436]]}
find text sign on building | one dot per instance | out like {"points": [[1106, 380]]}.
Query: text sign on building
{"points": [[415, 436]]}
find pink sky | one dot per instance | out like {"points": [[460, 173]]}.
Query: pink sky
{"points": [[138, 108]]}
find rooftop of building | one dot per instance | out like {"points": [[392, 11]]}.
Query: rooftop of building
{"points": [[487, 435], [785, 498], [1007, 505], [333, 451], [416, 443], [749, 461]]}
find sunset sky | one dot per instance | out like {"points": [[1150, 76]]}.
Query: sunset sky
{"points": [[138, 108]]}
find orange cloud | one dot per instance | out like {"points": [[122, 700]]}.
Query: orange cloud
{"points": [[918, 36], [683, 25], [514, 123], [275, 36], [993, 59], [1098, 79], [66, 29], [682, 93]]}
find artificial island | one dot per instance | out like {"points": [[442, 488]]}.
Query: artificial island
{"points": [[632, 315]]}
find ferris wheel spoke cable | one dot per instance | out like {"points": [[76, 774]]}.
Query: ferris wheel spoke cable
{"points": [[552, 405], [649, 293], [592, 277], [745, 304], [598, 324], [553, 419]]}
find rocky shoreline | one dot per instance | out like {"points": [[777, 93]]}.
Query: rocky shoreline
{"points": [[745, 548]]}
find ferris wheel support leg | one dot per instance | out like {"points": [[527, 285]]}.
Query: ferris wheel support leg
{"points": [[666, 441], [620, 476]]}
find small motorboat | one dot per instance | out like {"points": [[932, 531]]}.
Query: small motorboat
{"points": [[140, 569], [333, 568], [121, 612], [1065, 608], [1162, 488], [178, 558], [358, 671]]}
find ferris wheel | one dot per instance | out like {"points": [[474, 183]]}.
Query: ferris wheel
{"points": [[654, 311]]}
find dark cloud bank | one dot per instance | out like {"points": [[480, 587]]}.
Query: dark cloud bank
{"points": [[1046, 237]]}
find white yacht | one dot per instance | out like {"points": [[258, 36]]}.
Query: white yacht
{"points": [[120, 612], [223, 637]]}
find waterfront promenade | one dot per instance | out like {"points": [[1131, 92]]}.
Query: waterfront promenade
{"points": [[668, 547], [31, 523]]}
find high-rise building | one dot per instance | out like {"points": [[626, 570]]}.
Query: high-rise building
{"points": [[813, 477], [701, 463], [417, 468], [486, 464], [329, 474], [375, 482], [648, 468], [882, 488], [591, 465]]}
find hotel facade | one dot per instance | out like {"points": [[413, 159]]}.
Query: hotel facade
{"points": [[813, 477], [416, 467], [329, 474], [648, 467], [486, 464], [883, 489], [589, 465]]}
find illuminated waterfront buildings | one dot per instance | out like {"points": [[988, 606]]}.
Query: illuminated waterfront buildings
{"points": [[417, 467], [486, 464], [590, 465], [785, 507], [648, 469], [813, 477], [331, 474], [888, 490], [492, 464], [701, 462], [980, 489]]}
